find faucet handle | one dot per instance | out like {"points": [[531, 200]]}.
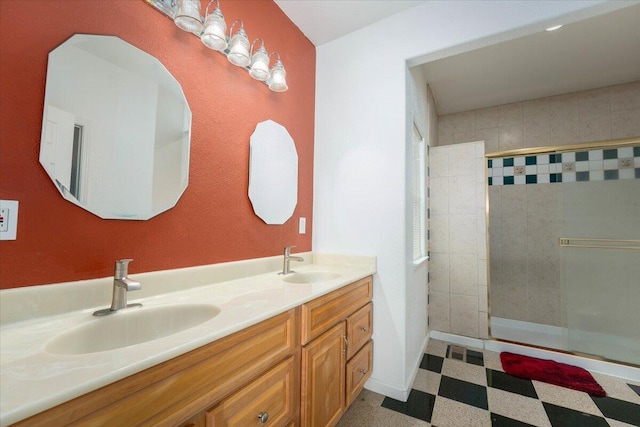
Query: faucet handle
{"points": [[287, 250], [122, 267]]}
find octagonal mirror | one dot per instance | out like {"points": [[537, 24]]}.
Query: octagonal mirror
{"points": [[273, 173], [116, 129]]}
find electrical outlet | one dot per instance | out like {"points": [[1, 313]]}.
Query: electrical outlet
{"points": [[4, 220], [8, 219], [302, 225]]}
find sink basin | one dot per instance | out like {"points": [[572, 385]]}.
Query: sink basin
{"points": [[131, 326], [310, 277]]}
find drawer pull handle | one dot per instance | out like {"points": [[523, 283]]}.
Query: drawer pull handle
{"points": [[364, 328], [263, 417], [363, 371]]}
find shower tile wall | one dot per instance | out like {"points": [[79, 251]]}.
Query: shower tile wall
{"points": [[458, 274], [606, 113], [589, 165]]}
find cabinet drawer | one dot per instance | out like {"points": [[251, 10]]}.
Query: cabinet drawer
{"points": [[358, 371], [359, 328], [322, 313], [267, 401]]}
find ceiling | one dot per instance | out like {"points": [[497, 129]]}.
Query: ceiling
{"points": [[595, 52], [325, 20]]}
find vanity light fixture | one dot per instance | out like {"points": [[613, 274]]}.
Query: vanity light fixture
{"points": [[212, 31], [278, 76], [556, 27], [259, 69], [239, 46], [188, 16], [214, 35]]}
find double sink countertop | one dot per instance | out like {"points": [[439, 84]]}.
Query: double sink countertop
{"points": [[33, 379]]}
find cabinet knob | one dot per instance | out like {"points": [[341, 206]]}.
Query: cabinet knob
{"points": [[263, 417], [363, 371], [364, 329]]}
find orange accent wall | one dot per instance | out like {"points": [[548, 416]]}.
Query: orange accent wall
{"points": [[213, 222]]}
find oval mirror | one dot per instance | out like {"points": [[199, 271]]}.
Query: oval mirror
{"points": [[116, 129], [273, 173]]}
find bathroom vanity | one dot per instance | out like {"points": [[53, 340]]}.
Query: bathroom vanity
{"points": [[278, 353]]}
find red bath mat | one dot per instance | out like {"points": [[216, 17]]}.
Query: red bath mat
{"points": [[551, 372]]}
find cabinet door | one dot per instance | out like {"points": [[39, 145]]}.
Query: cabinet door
{"points": [[270, 400], [323, 382]]}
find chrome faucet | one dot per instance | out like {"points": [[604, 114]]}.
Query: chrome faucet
{"points": [[121, 285], [287, 260]]}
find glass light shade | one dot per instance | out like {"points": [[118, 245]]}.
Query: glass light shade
{"points": [[239, 49], [215, 30], [188, 16], [278, 80], [260, 65]]}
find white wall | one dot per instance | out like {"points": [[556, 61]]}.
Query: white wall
{"points": [[416, 283], [360, 141]]}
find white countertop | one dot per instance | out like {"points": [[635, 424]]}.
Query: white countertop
{"points": [[33, 380]]}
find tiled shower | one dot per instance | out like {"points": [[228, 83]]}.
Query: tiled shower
{"points": [[458, 240], [529, 193]]}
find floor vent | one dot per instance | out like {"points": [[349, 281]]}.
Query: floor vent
{"points": [[457, 352]]}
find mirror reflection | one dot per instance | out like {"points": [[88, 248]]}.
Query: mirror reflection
{"points": [[115, 129]]}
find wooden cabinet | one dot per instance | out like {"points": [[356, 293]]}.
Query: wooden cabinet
{"points": [[250, 378], [270, 400], [197, 421], [323, 387], [322, 313], [336, 353], [359, 331], [358, 371], [174, 392]]}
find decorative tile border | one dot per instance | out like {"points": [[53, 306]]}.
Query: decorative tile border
{"points": [[592, 165]]}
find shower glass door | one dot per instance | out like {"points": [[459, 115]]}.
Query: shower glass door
{"points": [[600, 254]]}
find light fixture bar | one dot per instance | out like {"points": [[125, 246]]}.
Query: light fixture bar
{"points": [[210, 29], [167, 7]]}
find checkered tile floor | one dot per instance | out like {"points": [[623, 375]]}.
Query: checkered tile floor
{"points": [[476, 392]]}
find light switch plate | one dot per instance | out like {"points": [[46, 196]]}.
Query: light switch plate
{"points": [[8, 219], [302, 225]]}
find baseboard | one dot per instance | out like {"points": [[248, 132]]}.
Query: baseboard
{"points": [[457, 339], [401, 394], [416, 365], [387, 389]]}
